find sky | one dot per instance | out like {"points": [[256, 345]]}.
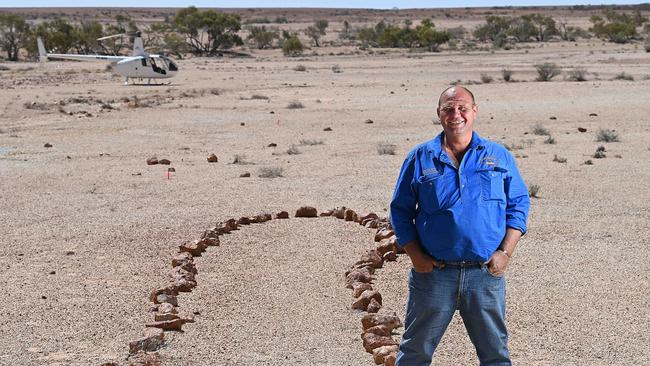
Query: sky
{"points": [[374, 4]]}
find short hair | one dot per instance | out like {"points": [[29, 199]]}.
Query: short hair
{"points": [[456, 86]]}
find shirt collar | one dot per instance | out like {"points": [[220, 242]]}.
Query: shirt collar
{"points": [[435, 145]]}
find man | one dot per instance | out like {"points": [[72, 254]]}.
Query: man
{"points": [[459, 209]]}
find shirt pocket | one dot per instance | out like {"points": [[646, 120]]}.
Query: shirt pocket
{"points": [[431, 193], [492, 183]]}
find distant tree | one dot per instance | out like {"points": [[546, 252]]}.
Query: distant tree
{"points": [[175, 44], [614, 28], [367, 35], [428, 37], [316, 31], [59, 35], [263, 37], [346, 32], [208, 31], [14, 32], [494, 28], [545, 26], [86, 36]]}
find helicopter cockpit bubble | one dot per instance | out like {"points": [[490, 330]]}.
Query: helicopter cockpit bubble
{"points": [[171, 65]]}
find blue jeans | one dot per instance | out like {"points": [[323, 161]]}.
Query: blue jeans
{"points": [[433, 299]]}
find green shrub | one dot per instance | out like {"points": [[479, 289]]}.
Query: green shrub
{"points": [[547, 71], [507, 75], [607, 136], [386, 149], [486, 79], [270, 172], [577, 74], [292, 46], [540, 130], [295, 105], [623, 76]]}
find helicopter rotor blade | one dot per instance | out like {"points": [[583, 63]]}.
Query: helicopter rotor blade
{"points": [[128, 34]]}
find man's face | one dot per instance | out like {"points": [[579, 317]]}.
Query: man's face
{"points": [[457, 113]]}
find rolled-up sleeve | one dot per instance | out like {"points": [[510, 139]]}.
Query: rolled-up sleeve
{"points": [[518, 201], [403, 205]]}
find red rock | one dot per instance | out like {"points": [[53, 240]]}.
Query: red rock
{"points": [[326, 213], [307, 211], [162, 298], [212, 241], [180, 272], [244, 221], [372, 341], [582, 129], [368, 216], [371, 224], [165, 316], [383, 234], [384, 246], [212, 158], [364, 300], [245, 175], [175, 324], [183, 284], [167, 290], [350, 215], [282, 215], [379, 354], [164, 161], [381, 330], [371, 320], [166, 308], [390, 256], [227, 226], [195, 248], [152, 160], [366, 266], [153, 339], [373, 306], [391, 359], [372, 257], [359, 287], [182, 258], [145, 359], [212, 233], [260, 218], [358, 275], [339, 212]]}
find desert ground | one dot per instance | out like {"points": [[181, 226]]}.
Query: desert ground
{"points": [[89, 228]]}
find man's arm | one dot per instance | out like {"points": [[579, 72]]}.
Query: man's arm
{"points": [[421, 261], [501, 257]]}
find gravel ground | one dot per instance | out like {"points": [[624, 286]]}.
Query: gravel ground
{"points": [[89, 228]]}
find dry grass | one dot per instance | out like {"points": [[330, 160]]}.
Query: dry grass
{"points": [[311, 142], [607, 136], [270, 172], [293, 150], [295, 105], [533, 190], [386, 149], [540, 130]]}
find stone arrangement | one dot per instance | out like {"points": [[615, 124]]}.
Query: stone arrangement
{"points": [[376, 328]]}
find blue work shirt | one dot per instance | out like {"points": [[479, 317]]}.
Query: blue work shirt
{"points": [[459, 214]]}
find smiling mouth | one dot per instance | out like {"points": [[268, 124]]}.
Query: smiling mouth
{"points": [[456, 123]]}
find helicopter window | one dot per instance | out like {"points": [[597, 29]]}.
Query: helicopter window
{"points": [[172, 66], [144, 62]]}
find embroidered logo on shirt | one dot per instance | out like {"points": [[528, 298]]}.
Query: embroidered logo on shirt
{"points": [[430, 171], [489, 161]]}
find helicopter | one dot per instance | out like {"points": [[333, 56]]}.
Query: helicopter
{"points": [[140, 64]]}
